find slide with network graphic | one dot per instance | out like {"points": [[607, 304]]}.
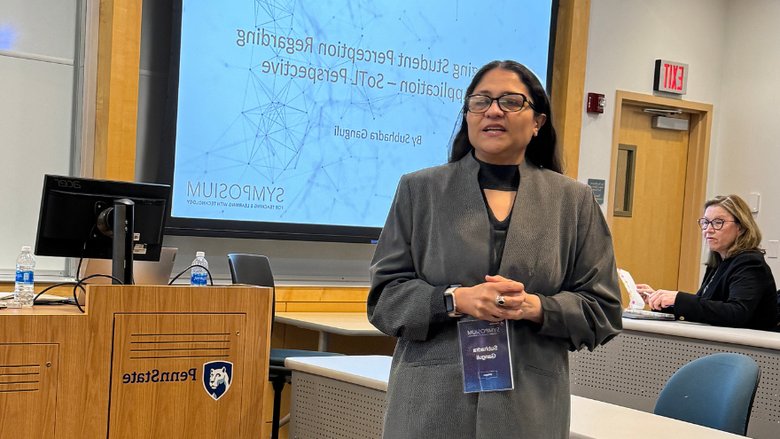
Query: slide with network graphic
{"points": [[309, 112]]}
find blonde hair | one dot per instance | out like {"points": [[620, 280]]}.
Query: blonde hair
{"points": [[750, 236]]}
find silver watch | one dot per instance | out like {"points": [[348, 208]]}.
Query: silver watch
{"points": [[449, 301]]}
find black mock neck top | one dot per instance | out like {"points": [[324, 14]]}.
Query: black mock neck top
{"points": [[499, 178]]}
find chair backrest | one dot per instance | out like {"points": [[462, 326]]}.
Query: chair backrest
{"points": [[715, 391], [777, 323], [251, 269]]}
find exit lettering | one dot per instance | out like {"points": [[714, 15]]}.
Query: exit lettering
{"points": [[670, 77], [673, 76]]}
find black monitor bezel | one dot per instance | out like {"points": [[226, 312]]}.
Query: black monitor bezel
{"points": [[106, 191]]}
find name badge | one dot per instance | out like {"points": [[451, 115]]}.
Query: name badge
{"points": [[485, 356]]}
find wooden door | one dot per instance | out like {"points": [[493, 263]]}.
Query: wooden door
{"points": [[647, 243]]}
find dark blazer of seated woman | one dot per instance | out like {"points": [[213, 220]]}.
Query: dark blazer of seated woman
{"points": [[738, 288], [739, 292]]}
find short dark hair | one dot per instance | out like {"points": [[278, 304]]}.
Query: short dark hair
{"points": [[542, 150]]}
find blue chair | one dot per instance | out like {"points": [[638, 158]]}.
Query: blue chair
{"points": [[714, 391], [251, 269]]}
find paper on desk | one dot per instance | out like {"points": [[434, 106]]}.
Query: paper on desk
{"points": [[40, 300], [635, 299]]}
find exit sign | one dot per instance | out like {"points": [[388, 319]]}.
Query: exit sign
{"points": [[670, 77]]}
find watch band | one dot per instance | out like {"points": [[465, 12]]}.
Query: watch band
{"points": [[449, 301]]}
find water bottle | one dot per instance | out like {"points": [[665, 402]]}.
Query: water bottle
{"points": [[199, 276], [24, 290]]}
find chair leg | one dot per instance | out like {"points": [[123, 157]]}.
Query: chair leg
{"points": [[278, 385]]}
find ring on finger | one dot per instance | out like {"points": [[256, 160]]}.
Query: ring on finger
{"points": [[500, 300]]}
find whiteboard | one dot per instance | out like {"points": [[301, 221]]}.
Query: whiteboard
{"points": [[37, 47]]}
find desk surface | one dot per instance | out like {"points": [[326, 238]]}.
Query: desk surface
{"points": [[370, 371], [356, 323], [43, 310], [343, 323], [740, 336], [597, 419], [589, 418]]}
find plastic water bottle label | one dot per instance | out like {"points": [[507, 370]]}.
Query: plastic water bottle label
{"points": [[24, 277], [198, 279]]}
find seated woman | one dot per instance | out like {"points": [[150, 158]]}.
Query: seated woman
{"points": [[738, 289]]}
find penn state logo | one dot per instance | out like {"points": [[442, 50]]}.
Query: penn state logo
{"points": [[217, 376]]}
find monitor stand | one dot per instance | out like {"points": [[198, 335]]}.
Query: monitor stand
{"points": [[122, 248]]}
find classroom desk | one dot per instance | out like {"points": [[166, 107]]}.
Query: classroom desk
{"points": [[598, 419], [345, 396], [632, 369], [326, 323]]}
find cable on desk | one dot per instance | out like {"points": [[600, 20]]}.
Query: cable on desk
{"points": [[76, 286], [191, 266]]}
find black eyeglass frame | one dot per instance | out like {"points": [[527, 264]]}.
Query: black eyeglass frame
{"points": [[498, 100], [716, 223]]}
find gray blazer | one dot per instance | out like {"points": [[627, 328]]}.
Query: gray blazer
{"points": [[436, 235]]}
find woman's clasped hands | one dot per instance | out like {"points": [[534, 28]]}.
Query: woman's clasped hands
{"points": [[499, 298]]}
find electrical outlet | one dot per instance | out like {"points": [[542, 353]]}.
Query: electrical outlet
{"points": [[754, 201], [771, 248]]}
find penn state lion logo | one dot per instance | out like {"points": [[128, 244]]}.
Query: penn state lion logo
{"points": [[217, 376]]}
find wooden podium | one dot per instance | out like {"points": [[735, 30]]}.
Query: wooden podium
{"points": [[142, 362]]}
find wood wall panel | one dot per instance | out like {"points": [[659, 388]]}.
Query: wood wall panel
{"points": [[568, 82], [321, 294], [327, 306], [116, 106]]}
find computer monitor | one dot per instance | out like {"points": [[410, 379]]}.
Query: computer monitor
{"points": [[102, 219]]}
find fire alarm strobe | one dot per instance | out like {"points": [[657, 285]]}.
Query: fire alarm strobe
{"points": [[596, 103]]}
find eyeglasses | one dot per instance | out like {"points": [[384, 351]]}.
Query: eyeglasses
{"points": [[508, 103], [717, 223]]}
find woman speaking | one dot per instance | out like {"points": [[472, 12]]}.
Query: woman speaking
{"points": [[495, 235]]}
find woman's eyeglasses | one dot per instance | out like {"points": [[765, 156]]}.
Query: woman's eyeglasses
{"points": [[717, 223], [508, 103]]}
